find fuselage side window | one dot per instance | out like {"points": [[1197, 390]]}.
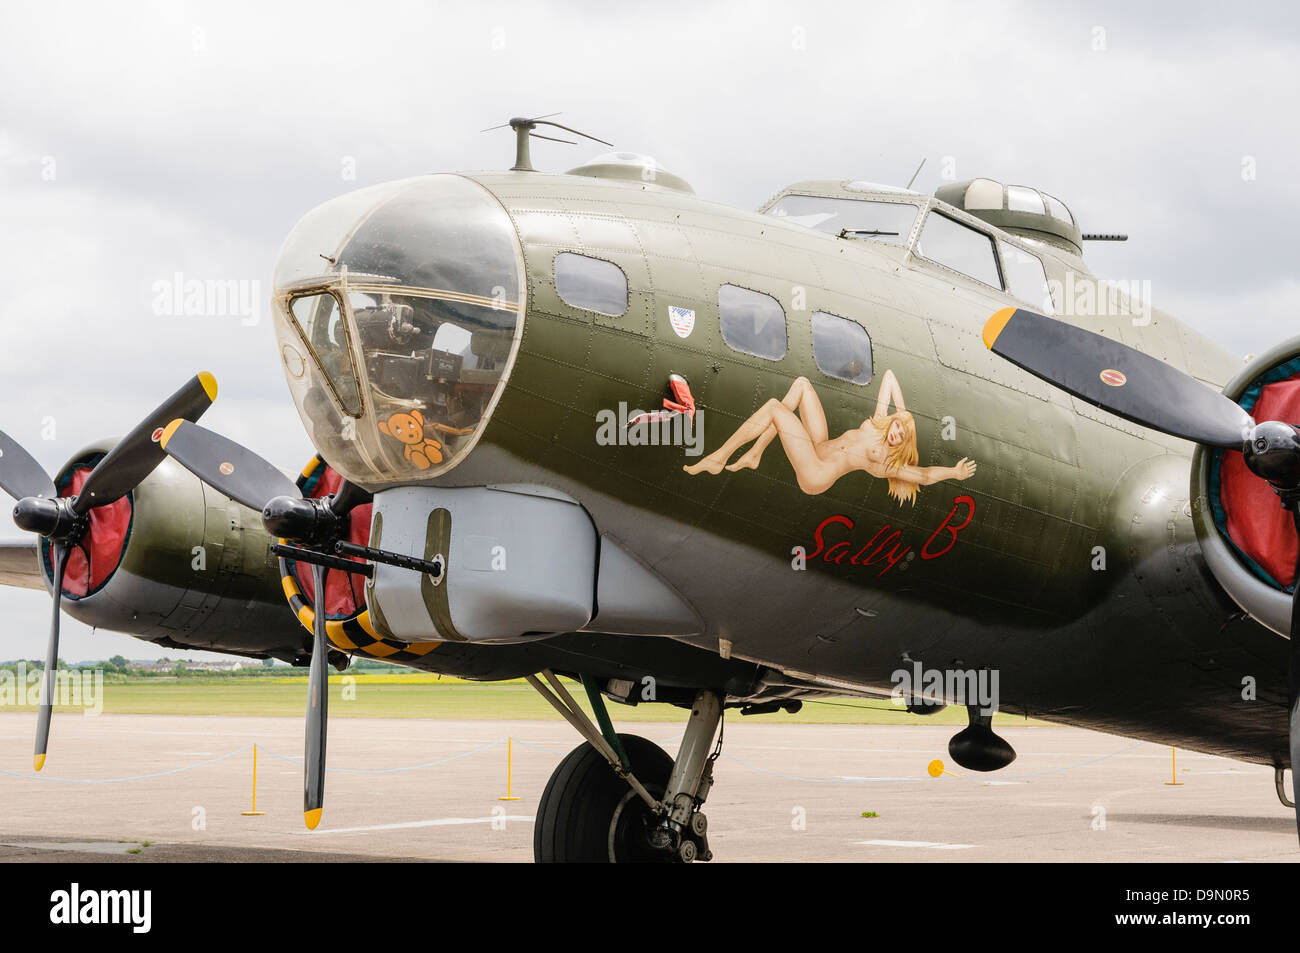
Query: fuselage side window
{"points": [[883, 221], [842, 348], [959, 247], [1026, 278], [591, 284], [752, 322]]}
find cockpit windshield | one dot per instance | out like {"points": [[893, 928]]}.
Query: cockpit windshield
{"points": [[408, 318], [861, 218]]}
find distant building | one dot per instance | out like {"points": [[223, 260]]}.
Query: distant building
{"points": [[171, 665]]}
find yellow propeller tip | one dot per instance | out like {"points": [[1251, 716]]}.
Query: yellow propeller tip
{"points": [[168, 431], [209, 384], [38, 761], [312, 818], [994, 325]]}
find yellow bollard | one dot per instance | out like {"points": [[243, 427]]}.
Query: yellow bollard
{"points": [[510, 757], [1173, 764], [254, 812]]}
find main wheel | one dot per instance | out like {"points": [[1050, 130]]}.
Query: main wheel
{"points": [[589, 815]]}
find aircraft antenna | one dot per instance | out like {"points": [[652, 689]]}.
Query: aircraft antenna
{"points": [[1103, 237], [914, 175], [524, 131]]}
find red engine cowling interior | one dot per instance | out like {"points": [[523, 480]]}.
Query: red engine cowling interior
{"points": [[1252, 516], [96, 557], [345, 594]]}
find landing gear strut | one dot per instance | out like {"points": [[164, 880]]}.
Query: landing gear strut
{"points": [[648, 809], [683, 828]]}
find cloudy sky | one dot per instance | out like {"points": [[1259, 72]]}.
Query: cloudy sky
{"points": [[139, 141]]}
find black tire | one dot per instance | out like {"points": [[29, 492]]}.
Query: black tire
{"points": [[578, 807]]}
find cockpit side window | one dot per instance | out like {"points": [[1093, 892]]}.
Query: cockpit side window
{"points": [[863, 218], [959, 247], [1026, 278]]}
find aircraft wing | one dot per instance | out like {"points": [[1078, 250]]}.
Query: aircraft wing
{"points": [[18, 564]]}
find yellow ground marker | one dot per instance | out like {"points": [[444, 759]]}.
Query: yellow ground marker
{"points": [[1173, 764], [935, 768], [510, 757], [254, 812]]}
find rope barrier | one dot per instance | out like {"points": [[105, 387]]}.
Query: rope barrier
{"points": [[413, 767], [546, 750], [137, 777], [231, 754]]}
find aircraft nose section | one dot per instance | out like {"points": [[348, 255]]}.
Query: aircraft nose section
{"points": [[399, 310]]}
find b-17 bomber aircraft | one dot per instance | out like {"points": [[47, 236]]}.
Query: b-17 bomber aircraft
{"points": [[862, 441]]}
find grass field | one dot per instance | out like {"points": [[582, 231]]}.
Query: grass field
{"points": [[426, 696]]}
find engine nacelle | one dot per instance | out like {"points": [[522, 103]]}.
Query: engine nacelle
{"points": [[1248, 539], [176, 563]]}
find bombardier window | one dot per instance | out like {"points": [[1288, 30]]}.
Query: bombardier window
{"points": [[446, 355], [591, 284], [405, 301], [1026, 278], [884, 221], [959, 247], [842, 348], [752, 323], [320, 321]]}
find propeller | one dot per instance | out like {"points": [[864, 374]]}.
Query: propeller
{"points": [[1149, 392], [242, 475], [64, 521], [318, 697]]}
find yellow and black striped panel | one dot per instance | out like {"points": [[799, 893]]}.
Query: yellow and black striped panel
{"points": [[354, 634]]}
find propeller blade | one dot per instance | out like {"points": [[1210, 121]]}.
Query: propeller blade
{"points": [[1293, 681], [1117, 378], [139, 452], [20, 474], [225, 466], [317, 708], [59, 559]]}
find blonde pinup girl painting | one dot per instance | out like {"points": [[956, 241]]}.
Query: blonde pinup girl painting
{"points": [[884, 446]]}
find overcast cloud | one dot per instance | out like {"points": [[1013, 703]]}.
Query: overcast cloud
{"points": [[140, 142]]}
